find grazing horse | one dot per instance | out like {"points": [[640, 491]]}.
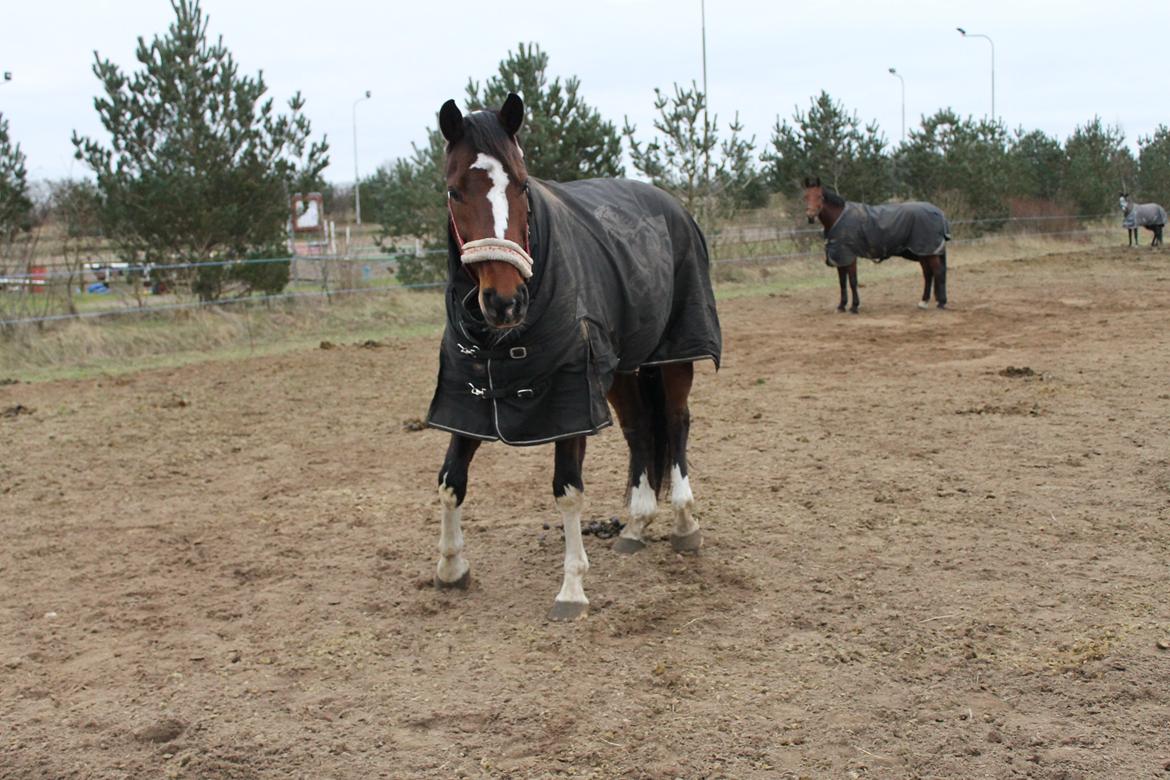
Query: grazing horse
{"points": [[916, 231], [559, 297], [1150, 216]]}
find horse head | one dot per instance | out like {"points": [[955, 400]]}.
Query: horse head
{"points": [[487, 197], [814, 198], [1123, 202]]}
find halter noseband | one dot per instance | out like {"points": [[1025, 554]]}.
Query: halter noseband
{"points": [[483, 249]]}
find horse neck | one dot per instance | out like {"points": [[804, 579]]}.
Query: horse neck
{"points": [[829, 215]]}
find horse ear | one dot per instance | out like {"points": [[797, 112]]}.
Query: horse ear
{"points": [[512, 113], [451, 121], [810, 182]]}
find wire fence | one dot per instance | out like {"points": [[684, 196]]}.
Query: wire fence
{"points": [[97, 289]]}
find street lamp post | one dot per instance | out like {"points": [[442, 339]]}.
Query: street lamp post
{"points": [[7, 77], [894, 72], [966, 34], [357, 182]]}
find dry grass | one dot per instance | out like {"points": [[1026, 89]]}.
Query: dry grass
{"points": [[130, 343]]}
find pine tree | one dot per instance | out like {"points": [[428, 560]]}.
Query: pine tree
{"points": [[714, 179], [1154, 166], [15, 203], [833, 144], [199, 166], [1097, 165], [563, 138]]}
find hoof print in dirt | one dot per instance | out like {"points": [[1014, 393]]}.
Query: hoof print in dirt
{"points": [[568, 610], [687, 544], [463, 583], [163, 731], [628, 546]]}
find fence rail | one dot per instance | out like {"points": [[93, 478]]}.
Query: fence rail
{"points": [[38, 297]]}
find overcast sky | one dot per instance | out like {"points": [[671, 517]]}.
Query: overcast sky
{"points": [[1057, 63]]}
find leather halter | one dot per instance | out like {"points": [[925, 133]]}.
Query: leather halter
{"points": [[484, 249]]}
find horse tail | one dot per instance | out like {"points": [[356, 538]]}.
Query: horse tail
{"points": [[654, 402]]}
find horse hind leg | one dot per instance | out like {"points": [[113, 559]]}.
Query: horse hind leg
{"points": [[452, 570], [627, 396], [927, 283], [939, 270], [853, 286], [842, 277], [569, 492], [677, 379]]}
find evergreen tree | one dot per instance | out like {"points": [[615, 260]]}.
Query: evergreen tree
{"points": [[714, 179], [1154, 166], [833, 144], [1037, 165], [563, 138], [15, 203], [199, 165], [1097, 166], [961, 163]]}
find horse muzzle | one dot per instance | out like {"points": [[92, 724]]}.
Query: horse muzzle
{"points": [[503, 312]]}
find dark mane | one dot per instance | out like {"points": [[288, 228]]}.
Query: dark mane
{"points": [[482, 129], [832, 197]]}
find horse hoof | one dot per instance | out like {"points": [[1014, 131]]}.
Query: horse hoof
{"points": [[923, 305], [841, 308], [943, 306], [463, 583], [853, 310], [689, 543], [627, 546], [563, 611]]}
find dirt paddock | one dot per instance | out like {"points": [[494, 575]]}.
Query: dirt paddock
{"points": [[936, 546]]}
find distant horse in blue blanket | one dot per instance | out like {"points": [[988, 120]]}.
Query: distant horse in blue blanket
{"points": [[915, 231], [559, 298], [1150, 216]]}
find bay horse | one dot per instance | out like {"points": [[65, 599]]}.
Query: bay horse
{"points": [[559, 298], [917, 231], [1150, 216]]}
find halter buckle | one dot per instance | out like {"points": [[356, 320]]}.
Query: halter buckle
{"points": [[478, 392], [518, 353]]}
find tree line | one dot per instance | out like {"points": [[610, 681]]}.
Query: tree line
{"points": [[199, 163]]}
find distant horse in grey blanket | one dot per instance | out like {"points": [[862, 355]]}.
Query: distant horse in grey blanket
{"points": [[1150, 216], [915, 231]]}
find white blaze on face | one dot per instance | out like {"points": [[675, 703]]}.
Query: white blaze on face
{"points": [[498, 195]]}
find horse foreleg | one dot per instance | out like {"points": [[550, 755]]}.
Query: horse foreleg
{"points": [[842, 277], [627, 399], [453, 571], [853, 286], [569, 491], [685, 535]]}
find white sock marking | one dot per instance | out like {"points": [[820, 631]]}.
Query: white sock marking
{"points": [[452, 565], [498, 195], [576, 562], [683, 500], [643, 506]]}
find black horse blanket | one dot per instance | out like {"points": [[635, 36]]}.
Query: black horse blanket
{"points": [[910, 230], [620, 281]]}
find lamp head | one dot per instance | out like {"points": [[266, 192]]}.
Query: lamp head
{"points": [[961, 30]]}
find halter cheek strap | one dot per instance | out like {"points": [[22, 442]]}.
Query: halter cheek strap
{"points": [[501, 249]]}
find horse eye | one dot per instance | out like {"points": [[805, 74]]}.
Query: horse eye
{"points": [[453, 193]]}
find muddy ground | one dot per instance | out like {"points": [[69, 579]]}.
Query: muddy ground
{"points": [[936, 546]]}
